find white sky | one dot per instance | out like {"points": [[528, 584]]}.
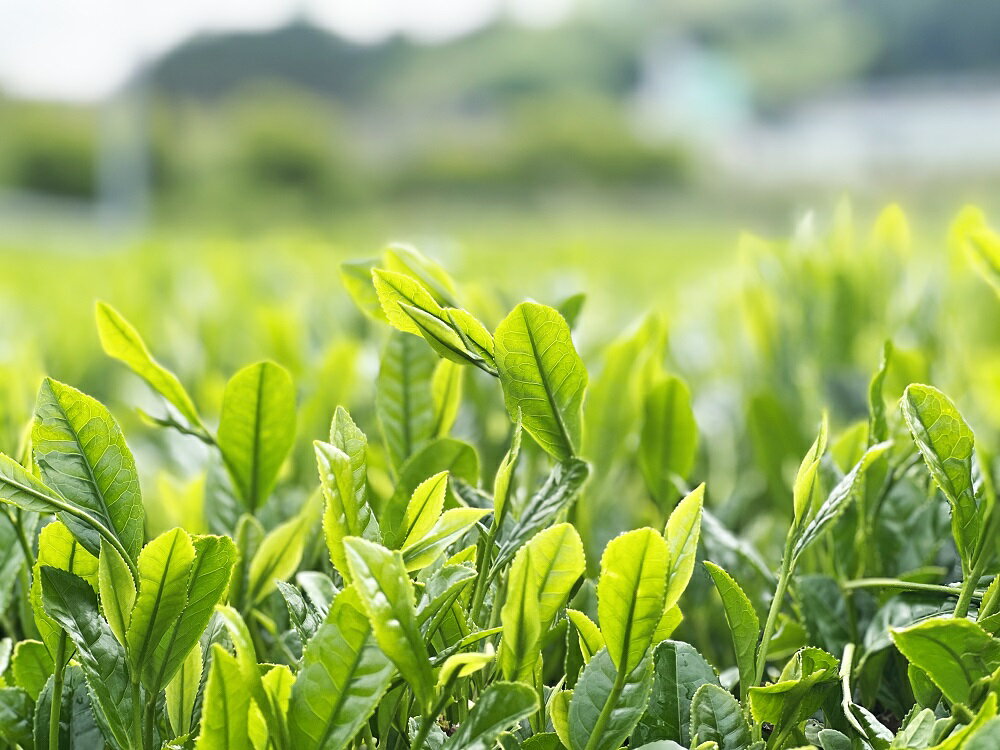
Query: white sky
{"points": [[84, 49]]}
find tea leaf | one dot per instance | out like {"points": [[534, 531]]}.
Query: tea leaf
{"points": [[631, 594], [72, 603], [207, 584], [404, 402], [500, 706], [342, 679], [120, 340], [682, 532], [954, 653], [182, 690], [32, 666], [669, 437], [225, 728], [744, 625], [256, 428], [946, 443], [678, 672], [716, 716], [117, 590], [543, 377], [605, 708], [164, 568], [81, 453], [386, 594]]}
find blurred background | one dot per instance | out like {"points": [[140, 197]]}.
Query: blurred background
{"points": [[207, 166], [120, 118]]}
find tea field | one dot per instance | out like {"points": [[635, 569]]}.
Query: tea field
{"points": [[575, 487]]}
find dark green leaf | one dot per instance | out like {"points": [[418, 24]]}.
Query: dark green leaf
{"points": [[678, 671]]}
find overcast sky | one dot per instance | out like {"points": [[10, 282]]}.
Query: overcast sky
{"points": [[82, 50]]}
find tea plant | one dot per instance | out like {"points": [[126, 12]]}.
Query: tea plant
{"points": [[396, 601]]}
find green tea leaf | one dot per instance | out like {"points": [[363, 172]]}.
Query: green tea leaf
{"points": [[387, 596], [446, 391], [744, 625], [519, 649], [801, 689], [257, 428], [558, 492], [225, 727], [164, 568], [878, 425], [280, 552], [249, 674], [15, 717], [682, 533], [591, 638], [838, 499], [422, 512], [631, 593], [397, 289], [406, 259], [953, 653], [543, 377], [117, 590], [82, 455], [716, 716], [121, 340], [946, 443], [278, 683], [58, 548], [356, 276], [669, 438], [207, 584], [403, 401], [805, 483], [32, 666], [346, 512], [72, 603], [449, 528], [182, 690], [499, 707], [604, 708], [678, 672]]}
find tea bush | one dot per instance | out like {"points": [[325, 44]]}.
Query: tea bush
{"points": [[396, 599]]}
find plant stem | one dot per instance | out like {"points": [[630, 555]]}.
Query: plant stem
{"points": [[784, 576], [969, 585], [428, 719], [369, 739], [895, 583], [137, 712], [609, 706], [57, 690], [148, 723]]}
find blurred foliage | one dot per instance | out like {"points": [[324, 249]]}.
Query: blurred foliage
{"points": [[765, 338], [48, 148]]}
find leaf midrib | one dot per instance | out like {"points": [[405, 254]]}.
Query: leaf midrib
{"points": [[549, 394], [86, 459]]}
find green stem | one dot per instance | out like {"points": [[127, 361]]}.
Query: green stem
{"points": [[137, 712], [895, 583], [148, 724], [22, 540], [969, 585], [594, 743], [369, 739], [57, 690], [428, 719], [784, 576]]}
